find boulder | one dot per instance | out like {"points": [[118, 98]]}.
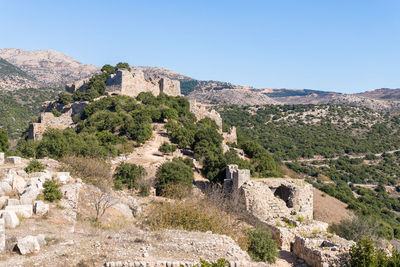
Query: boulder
{"points": [[28, 244], [13, 160], [18, 183], [5, 188], [40, 208], [3, 201], [123, 209], [22, 210], [41, 239], [13, 202], [10, 218], [63, 177]]}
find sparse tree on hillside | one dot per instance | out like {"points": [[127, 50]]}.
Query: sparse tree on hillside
{"points": [[4, 143]]}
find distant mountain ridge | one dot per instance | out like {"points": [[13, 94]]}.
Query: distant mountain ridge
{"points": [[46, 68]]}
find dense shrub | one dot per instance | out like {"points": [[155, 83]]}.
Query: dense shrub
{"points": [[128, 175], [34, 166], [218, 263], [51, 191], [56, 113], [357, 228], [4, 143], [89, 169], [365, 254], [174, 172], [167, 148], [261, 245]]}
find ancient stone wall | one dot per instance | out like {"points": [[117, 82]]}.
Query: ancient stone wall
{"points": [[230, 136], [48, 120], [285, 207], [78, 85], [132, 83]]}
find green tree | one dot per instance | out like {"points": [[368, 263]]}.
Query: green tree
{"points": [[4, 143], [174, 172], [261, 245], [123, 65], [128, 175], [51, 191]]}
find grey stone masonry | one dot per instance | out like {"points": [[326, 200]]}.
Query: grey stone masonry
{"points": [[2, 236], [1, 158]]}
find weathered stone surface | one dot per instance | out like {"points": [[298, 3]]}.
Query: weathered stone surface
{"points": [[40, 208], [201, 111], [23, 210], [28, 244], [13, 202], [3, 201], [123, 209], [13, 160], [5, 188], [315, 254], [41, 239], [63, 177], [18, 183], [2, 236], [131, 83], [1, 158], [10, 218]]}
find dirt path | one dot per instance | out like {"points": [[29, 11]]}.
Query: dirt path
{"points": [[336, 158]]}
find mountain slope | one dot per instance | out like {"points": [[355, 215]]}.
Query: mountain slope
{"points": [[12, 77], [48, 67]]}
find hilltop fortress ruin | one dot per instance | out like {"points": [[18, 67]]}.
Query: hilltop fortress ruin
{"points": [[122, 82]]}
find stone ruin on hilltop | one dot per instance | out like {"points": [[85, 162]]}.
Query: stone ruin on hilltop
{"points": [[285, 207], [132, 83], [123, 82]]}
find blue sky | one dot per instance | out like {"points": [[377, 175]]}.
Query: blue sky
{"points": [[346, 46]]}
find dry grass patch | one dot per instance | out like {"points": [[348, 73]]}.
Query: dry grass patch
{"points": [[196, 215], [89, 169]]}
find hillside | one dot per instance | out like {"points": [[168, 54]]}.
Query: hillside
{"points": [[48, 67], [337, 148], [12, 77]]}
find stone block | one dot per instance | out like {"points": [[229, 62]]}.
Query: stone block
{"points": [[3, 201], [18, 183], [1, 158], [5, 188], [63, 177], [2, 236], [13, 202], [13, 160], [11, 219], [22, 210], [40, 208], [28, 244]]}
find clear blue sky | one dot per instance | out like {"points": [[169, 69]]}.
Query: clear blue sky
{"points": [[341, 45]]}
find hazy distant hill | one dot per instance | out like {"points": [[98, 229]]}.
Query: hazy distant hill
{"points": [[47, 67], [12, 77]]}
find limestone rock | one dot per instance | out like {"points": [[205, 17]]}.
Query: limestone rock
{"points": [[123, 209], [13, 160], [2, 236], [28, 244], [18, 183], [63, 177], [23, 210], [11, 219], [40, 208], [3, 201], [1, 158], [5, 188], [13, 202]]}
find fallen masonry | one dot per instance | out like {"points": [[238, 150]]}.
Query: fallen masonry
{"points": [[285, 207]]}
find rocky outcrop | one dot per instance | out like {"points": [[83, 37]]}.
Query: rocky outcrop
{"points": [[241, 97], [202, 111]]}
